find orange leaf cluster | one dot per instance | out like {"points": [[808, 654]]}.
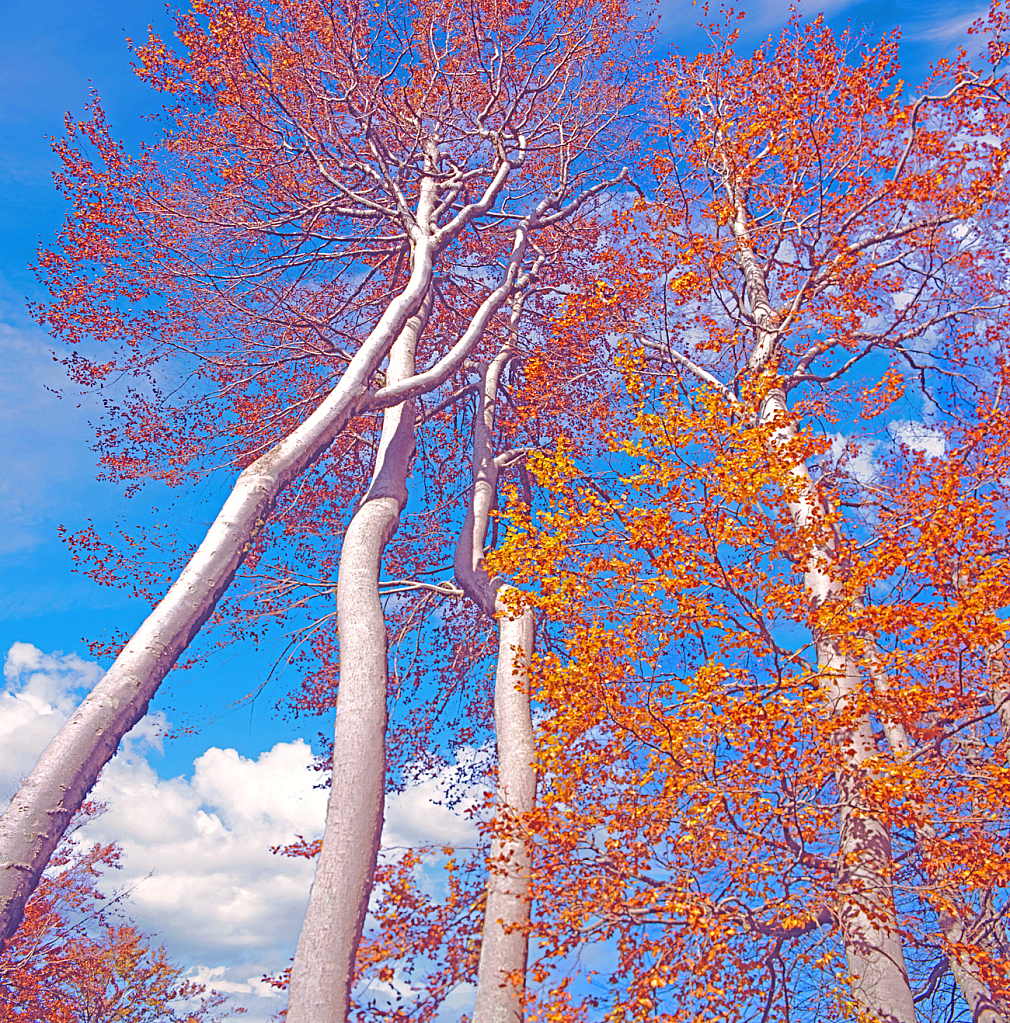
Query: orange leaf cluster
{"points": [[71, 962]]}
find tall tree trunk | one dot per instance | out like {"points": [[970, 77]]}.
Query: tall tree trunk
{"points": [[501, 973], [866, 912], [983, 1007], [68, 768], [865, 908], [323, 970], [956, 928]]}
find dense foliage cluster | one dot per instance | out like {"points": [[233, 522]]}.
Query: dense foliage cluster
{"points": [[74, 961]]}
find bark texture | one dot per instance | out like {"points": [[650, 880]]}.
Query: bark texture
{"points": [[68, 768], [866, 913], [66, 772], [323, 970], [865, 909], [501, 974], [957, 927]]}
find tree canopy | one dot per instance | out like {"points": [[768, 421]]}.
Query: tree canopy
{"points": [[645, 425], [76, 960]]}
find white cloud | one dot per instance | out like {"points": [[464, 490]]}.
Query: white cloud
{"points": [[196, 851], [420, 816], [918, 437], [218, 897], [215, 978], [861, 465], [942, 26], [44, 447], [196, 854], [40, 692], [855, 457]]}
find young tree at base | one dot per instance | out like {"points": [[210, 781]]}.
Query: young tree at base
{"points": [[71, 962]]}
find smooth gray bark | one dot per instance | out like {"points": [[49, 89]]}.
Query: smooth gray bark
{"points": [[999, 672], [323, 970], [865, 908], [955, 926], [67, 770], [866, 912], [322, 975], [501, 972], [981, 1004], [41, 810]]}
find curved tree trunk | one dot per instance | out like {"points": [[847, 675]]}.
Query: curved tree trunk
{"points": [[501, 973], [68, 768], [865, 907], [323, 970], [955, 927]]}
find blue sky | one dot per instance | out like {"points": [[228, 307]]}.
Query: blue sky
{"points": [[50, 56]]}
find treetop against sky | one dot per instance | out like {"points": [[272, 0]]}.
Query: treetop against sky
{"points": [[227, 747]]}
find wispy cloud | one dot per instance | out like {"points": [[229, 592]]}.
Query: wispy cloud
{"points": [[942, 23], [918, 437], [761, 14], [44, 451]]}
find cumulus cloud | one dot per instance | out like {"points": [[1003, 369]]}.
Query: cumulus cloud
{"points": [[420, 815], [855, 456], [196, 850], [40, 692], [216, 895], [918, 437], [197, 860]]}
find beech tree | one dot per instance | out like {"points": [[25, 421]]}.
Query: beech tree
{"points": [[773, 747], [341, 194], [769, 774]]}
